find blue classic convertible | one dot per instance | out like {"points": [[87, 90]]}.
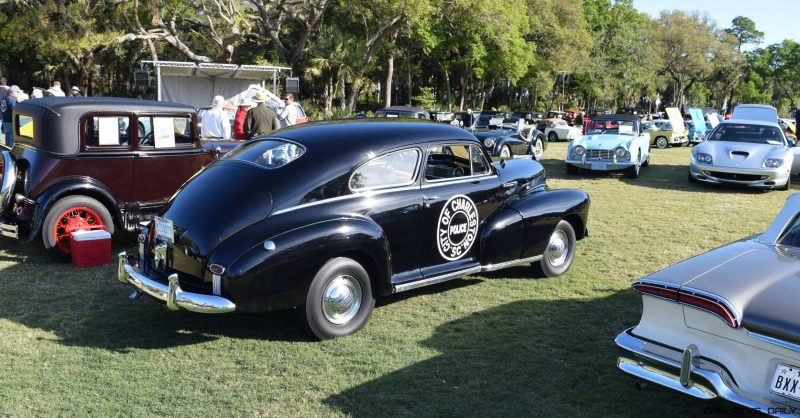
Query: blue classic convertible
{"points": [[612, 142]]}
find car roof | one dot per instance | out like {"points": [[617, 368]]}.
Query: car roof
{"points": [[401, 109], [370, 135]]}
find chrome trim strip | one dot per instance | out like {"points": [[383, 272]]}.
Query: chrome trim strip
{"points": [[368, 193], [436, 279], [171, 294], [651, 282], [634, 356], [718, 298], [432, 183], [461, 273], [780, 343]]}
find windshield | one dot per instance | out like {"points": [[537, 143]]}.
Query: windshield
{"points": [[394, 114], [609, 126], [754, 134], [268, 153]]}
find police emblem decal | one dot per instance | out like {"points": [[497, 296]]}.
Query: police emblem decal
{"points": [[457, 227]]}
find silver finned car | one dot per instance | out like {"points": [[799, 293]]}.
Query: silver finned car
{"points": [[753, 153], [725, 323]]}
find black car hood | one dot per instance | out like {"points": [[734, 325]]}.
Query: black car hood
{"points": [[222, 199]]}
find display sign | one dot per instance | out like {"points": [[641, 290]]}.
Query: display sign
{"points": [[698, 120], [164, 132], [108, 131]]}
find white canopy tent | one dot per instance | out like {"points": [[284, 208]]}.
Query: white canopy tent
{"points": [[197, 84]]}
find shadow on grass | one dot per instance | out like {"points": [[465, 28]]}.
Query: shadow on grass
{"points": [[527, 358], [88, 307]]}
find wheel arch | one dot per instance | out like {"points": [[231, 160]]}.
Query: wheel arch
{"points": [[72, 187]]}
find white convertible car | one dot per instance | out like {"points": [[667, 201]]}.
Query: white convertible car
{"points": [[726, 323], [612, 142], [558, 129]]}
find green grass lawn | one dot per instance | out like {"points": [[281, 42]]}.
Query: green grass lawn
{"points": [[71, 343]]}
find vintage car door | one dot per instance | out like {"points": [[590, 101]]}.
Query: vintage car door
{"points": [[166, 144], [518, 144], [107, 154], [459, 190]]}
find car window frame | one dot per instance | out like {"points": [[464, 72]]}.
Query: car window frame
{"points": [[82, 124], [470, 177], [414, 180], [195, 144]]}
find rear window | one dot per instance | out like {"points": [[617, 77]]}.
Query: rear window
{"points": [[268, 153], [754, 134], [24, 126]]}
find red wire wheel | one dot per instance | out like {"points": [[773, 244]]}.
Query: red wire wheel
{"points": [[71, 220]]}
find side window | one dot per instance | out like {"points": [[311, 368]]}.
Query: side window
{"points": [[448, 161], [792, 236], [397, 168], [164, 131], [479, 164], [106, 131]]}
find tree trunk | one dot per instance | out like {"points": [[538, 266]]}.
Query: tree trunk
{"points": [[409, 81], [463, 82], [449, 95], [389, 74]]}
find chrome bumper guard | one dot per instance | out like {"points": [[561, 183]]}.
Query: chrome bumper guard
{"points": [[689, 374], [172, 294]]}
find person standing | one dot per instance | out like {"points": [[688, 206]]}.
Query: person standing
{"points": [[260, 120], [7, 109], [55, 89], [289, 112], [76, 91], [238, 122], [3, 87], [215, 121]]}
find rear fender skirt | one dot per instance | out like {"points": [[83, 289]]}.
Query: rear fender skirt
{"points": [[279, 278], [70, 186], [542, 210]]}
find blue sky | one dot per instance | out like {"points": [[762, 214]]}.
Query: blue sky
{"points": [[778, 19]]}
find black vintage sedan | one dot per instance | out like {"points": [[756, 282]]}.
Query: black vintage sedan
{"points": [[328, 216]]}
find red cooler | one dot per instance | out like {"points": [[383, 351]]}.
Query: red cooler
{"points": [[90, 248]]}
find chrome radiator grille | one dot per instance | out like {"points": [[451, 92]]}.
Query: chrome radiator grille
{"points": [[599, 154]]}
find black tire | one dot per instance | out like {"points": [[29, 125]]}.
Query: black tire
{"points": [[692, 179], [662, 142], [633, 172], [552, 137], [571, 169], [646, 162], [788, 183], [59, 208], [505, 150], [546, 267], [312, 313], [537, 143]]}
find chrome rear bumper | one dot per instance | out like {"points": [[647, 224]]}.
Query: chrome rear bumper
{"points": [[690, 374], [172, 294]]}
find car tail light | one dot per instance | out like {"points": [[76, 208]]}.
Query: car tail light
{"points": [[709, 304], [661, 290]]}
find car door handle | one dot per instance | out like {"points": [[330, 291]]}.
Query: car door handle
{"points": [[428, 200], [509, 185]]}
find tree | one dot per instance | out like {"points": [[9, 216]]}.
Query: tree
{"points": [[744, 30]]}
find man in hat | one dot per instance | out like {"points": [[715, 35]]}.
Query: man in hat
{"points": [[76, 91], [261, 119], [7, 104], [215, 121], [238, 122]]}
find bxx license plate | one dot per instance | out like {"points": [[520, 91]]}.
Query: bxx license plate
{"points": [[786, 381], [164, 230]]}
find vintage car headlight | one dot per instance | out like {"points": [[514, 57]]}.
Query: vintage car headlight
{"points": [[488, 142], [622, 153], [773, 162], [702, 157], [578, 151]]}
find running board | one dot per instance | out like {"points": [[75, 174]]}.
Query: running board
{"points": [[461, 273]]}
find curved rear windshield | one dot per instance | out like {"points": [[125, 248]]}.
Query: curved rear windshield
{"points": [[755, 134], [268, 153]]}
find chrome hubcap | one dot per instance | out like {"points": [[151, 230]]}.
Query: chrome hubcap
{"points": [[537, 150], [341, 299], [504, 152], [557, 249]]}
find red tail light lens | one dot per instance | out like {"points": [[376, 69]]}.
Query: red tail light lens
{"points": [[710, 305], [658, 290]]}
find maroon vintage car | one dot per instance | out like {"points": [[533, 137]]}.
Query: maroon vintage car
{"points": [[95, 163]]}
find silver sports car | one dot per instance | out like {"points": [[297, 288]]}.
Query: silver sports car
{"points": [[751, 153], [726, 323]]}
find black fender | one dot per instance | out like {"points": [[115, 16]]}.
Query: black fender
{"points": [[279, 279], [542, 210], [71, 186]]}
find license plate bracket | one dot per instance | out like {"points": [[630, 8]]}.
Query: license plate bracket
{"points": [[165, 231]]}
